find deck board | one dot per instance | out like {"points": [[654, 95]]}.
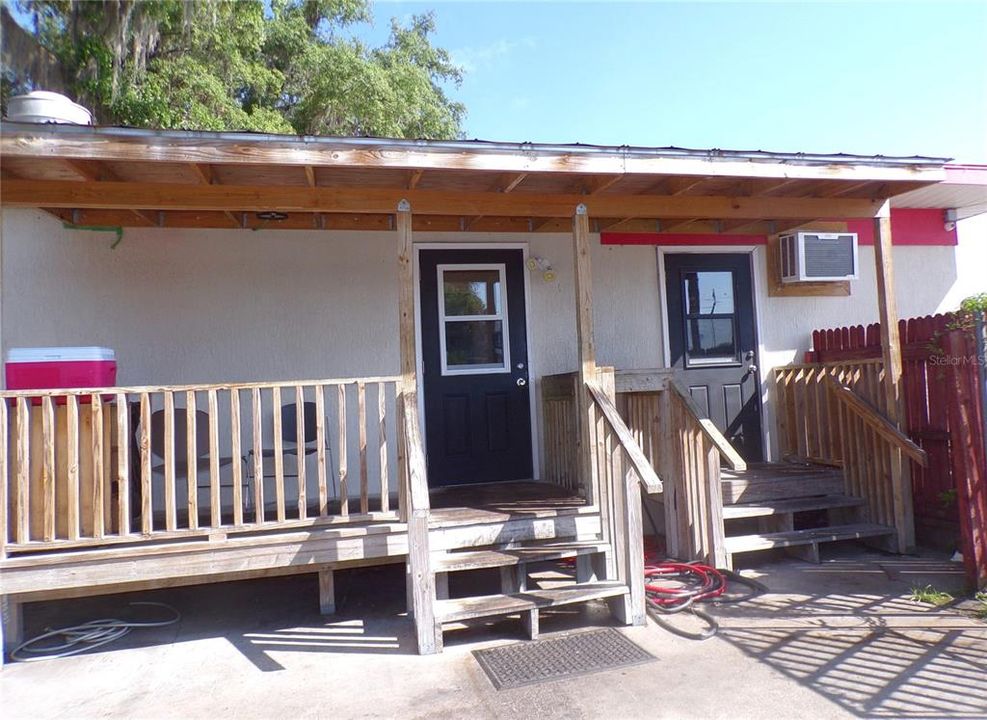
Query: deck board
{"points": [[541, 511]]}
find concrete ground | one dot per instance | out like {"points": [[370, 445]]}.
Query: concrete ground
{"points": [[836, 640]]}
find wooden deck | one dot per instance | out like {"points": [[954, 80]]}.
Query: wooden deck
{"points": [[465, 516], [522, 497]]}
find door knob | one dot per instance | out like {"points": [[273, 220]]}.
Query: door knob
{"points": [[521, 382]]}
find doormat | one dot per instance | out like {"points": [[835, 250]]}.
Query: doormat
{"points": [[558, 658]]}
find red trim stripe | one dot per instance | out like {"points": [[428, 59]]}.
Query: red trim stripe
{"points": [[909, 226]]}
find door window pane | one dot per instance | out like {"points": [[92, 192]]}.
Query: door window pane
{"points": [[476, 344], [708, 292], [471, 292], [710, 340]]}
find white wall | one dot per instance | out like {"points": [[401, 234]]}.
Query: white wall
{"points": [[204, 306], [191, 306], [227, 305]]}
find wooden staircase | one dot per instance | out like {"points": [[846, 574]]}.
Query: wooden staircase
{"points": [[793, 506], [613, 472], [517, 596]]}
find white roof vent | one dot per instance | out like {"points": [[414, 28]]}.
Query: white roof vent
{"points": [[42, 106]]}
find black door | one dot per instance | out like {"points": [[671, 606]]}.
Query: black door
{"points": [[475, 354], [713, 342]]}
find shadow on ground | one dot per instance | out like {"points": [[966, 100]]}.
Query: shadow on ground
{"points": [[847, 630], [836, 640]]}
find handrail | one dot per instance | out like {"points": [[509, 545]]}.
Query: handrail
{"points": [[712, 433], [880, 424], [645, 472], [202, 387]]}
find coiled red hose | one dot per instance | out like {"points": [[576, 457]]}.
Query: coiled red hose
{"points": [[671, 587], [690, 583]]}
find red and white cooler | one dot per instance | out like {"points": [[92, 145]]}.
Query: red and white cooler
{"points": [[48, 368]]}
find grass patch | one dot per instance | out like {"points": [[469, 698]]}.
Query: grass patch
{"points": [[928, 595], [981, 610]]}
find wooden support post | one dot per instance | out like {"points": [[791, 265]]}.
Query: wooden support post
{"points": [[406, 342], [888, 311], [327, 592], [421, 583], [588, 476], [414, 502], [529, 619], [11, 625], [589, 568], [891, 352], [406, 296], [670, 474], [441, 586], [608, 490], [514, 578]]}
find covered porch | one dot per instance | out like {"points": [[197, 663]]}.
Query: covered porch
{"points": [[148, 483]]}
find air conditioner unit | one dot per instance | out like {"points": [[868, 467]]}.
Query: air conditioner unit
{"points": [[818, 257]]}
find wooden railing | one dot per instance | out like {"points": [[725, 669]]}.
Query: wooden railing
{"points": [[687, 451], [622, 470], [803, 406], [97, 466], [836, 414], [871, 449]]}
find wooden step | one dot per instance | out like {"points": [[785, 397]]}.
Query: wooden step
{"points": [[790, 538], [478, 559], [790, 505], [488, 605], [765, 482]]}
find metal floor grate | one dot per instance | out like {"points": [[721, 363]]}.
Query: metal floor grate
{"points": [[557, 658]]}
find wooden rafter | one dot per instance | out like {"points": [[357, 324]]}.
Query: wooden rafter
{"points": [[505, 185], [89, 170], [772, 186], [509, 183], [677, 226], [843, 189], [539, 225], [662, 187], [173, 196], [729, 226], [688, 185], [616, 224], [597, 185], [95, 171], [785, 226]]}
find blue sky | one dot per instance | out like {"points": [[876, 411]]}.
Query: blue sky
{"points": [[873, 78]]}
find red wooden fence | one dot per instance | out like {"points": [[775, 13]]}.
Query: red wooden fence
{"points": [[969, 454], [930, 378]]}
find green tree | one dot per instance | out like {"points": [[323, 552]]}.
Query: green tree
{"points": [[286, 66]]}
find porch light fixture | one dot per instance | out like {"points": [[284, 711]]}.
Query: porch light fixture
{"points": [[272, 215], [542, 265]]}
